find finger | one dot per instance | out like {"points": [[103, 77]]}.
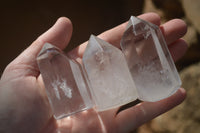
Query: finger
{"points": [[178, 49], [135, 116], [114, 35], [173, 30], [59, 34]]}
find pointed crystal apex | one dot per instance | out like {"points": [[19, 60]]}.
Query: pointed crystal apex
{"points": [[46, 47], [108, 75], [65, 84], [101, 43], [97, 44], [149, 60], [140, 26], [135, 20], [131, 22]]}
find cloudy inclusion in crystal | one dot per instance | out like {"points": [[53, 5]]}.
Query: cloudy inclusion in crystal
{"points": [[108, 75], [145, 70], [149, 61], [66, 87]]}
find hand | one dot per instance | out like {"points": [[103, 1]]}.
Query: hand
{"points": [[24, 105]]}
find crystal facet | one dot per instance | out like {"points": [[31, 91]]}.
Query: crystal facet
{"points": [[110, 77], [108, 74], [66, 87], [150, 63]]}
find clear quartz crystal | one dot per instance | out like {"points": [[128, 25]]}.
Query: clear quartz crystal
{"points": [[66, 87], [108, 74], [150, 63], [110, 77]]}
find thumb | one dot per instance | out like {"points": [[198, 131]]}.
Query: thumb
{"points": [[59, 35]]}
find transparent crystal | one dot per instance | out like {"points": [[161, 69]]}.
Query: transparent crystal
{"points": [[110, 77], [150, 63], [66, 87], [108, 74]]}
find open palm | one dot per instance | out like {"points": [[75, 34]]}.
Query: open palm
{"points": [[24, 105]]}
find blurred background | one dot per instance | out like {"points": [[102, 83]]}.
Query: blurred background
{"points": [[23, 21]]}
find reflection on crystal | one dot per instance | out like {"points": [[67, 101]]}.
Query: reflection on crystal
{"points": [[65, 84], [149, 60], [143, 69], [108, 74]]}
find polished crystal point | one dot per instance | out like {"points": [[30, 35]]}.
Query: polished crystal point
{"points": [[148, 58], [109, 77], [108, 74], [66, 87]]}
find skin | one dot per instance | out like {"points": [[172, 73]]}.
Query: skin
{"points": [[24, 105]]}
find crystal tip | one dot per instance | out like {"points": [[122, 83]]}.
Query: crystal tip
{"points": [[45, 47], [135, 20]]}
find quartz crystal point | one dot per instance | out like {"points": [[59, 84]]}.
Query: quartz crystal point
{"points": [[150, 63], [66, 87], [108, 74]]}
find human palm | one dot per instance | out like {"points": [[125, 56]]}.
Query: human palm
{"points": [[24, 105]]}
